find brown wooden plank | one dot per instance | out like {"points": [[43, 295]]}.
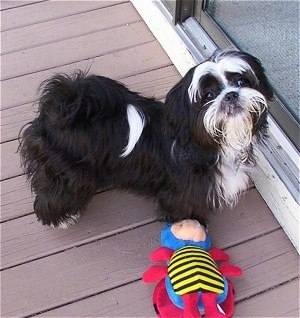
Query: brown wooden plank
{"points": [[16, 198], [45, 11], [10, 161], [228, 228], [25, 239], [135, 300], [117, 65], [266, 261], [249, 219], [132, 300], [5, 5], [121, 259], [72, 26], [282, 301], [92, 268], [74, 50], [153, 83], [13, 119], [19, 236]]}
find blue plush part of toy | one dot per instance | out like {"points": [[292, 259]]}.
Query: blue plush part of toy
{"points": [[169, 240], [177, 299]]}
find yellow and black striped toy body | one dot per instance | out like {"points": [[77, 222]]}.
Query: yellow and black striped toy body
{"points": [[192, 269]]}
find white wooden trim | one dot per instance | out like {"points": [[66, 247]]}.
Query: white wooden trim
{"points": [[282, 140], [276, 195], [164, 32]]}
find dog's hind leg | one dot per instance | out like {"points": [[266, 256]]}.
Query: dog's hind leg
{"points": [[61, 199]]}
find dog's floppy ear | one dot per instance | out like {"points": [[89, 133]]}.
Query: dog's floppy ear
{"points": [[178, 110]]}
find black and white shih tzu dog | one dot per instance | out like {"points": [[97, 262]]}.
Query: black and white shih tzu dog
{"points": [[192, 154]]}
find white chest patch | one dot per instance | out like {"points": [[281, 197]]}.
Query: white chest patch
{"points": [[234, 179]]}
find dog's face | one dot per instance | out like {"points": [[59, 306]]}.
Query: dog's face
{"points": [[224, 99]]}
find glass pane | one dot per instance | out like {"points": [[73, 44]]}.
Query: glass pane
{"points": [[270, 31]]}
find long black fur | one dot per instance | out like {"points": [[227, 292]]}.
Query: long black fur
{"points": [[73, 148]]}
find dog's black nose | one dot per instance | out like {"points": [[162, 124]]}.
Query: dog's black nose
{"points": [[231, 96]]}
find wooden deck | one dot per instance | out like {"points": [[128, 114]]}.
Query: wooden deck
{"points": [[94, 268]]}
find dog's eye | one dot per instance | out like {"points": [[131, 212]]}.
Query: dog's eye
{"points": [[207, 97], [242, 82]]}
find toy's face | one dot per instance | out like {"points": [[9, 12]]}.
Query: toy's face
{"points": [[189, 230]]}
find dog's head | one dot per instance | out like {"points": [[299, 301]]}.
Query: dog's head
{"points": [[222, 101]]}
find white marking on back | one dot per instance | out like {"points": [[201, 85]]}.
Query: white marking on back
{"points": [[136, 122]]}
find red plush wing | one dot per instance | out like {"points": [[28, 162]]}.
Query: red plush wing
{"points": [[218, 255], [162, 254], [230, 270], [155, 273]]}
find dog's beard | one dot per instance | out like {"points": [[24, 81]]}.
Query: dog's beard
{"points": [[234, 127]]}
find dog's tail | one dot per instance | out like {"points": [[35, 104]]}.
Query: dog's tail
{"points": [[77, 99]]}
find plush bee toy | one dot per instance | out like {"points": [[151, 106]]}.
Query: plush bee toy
{"points": [[191, 282]]}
